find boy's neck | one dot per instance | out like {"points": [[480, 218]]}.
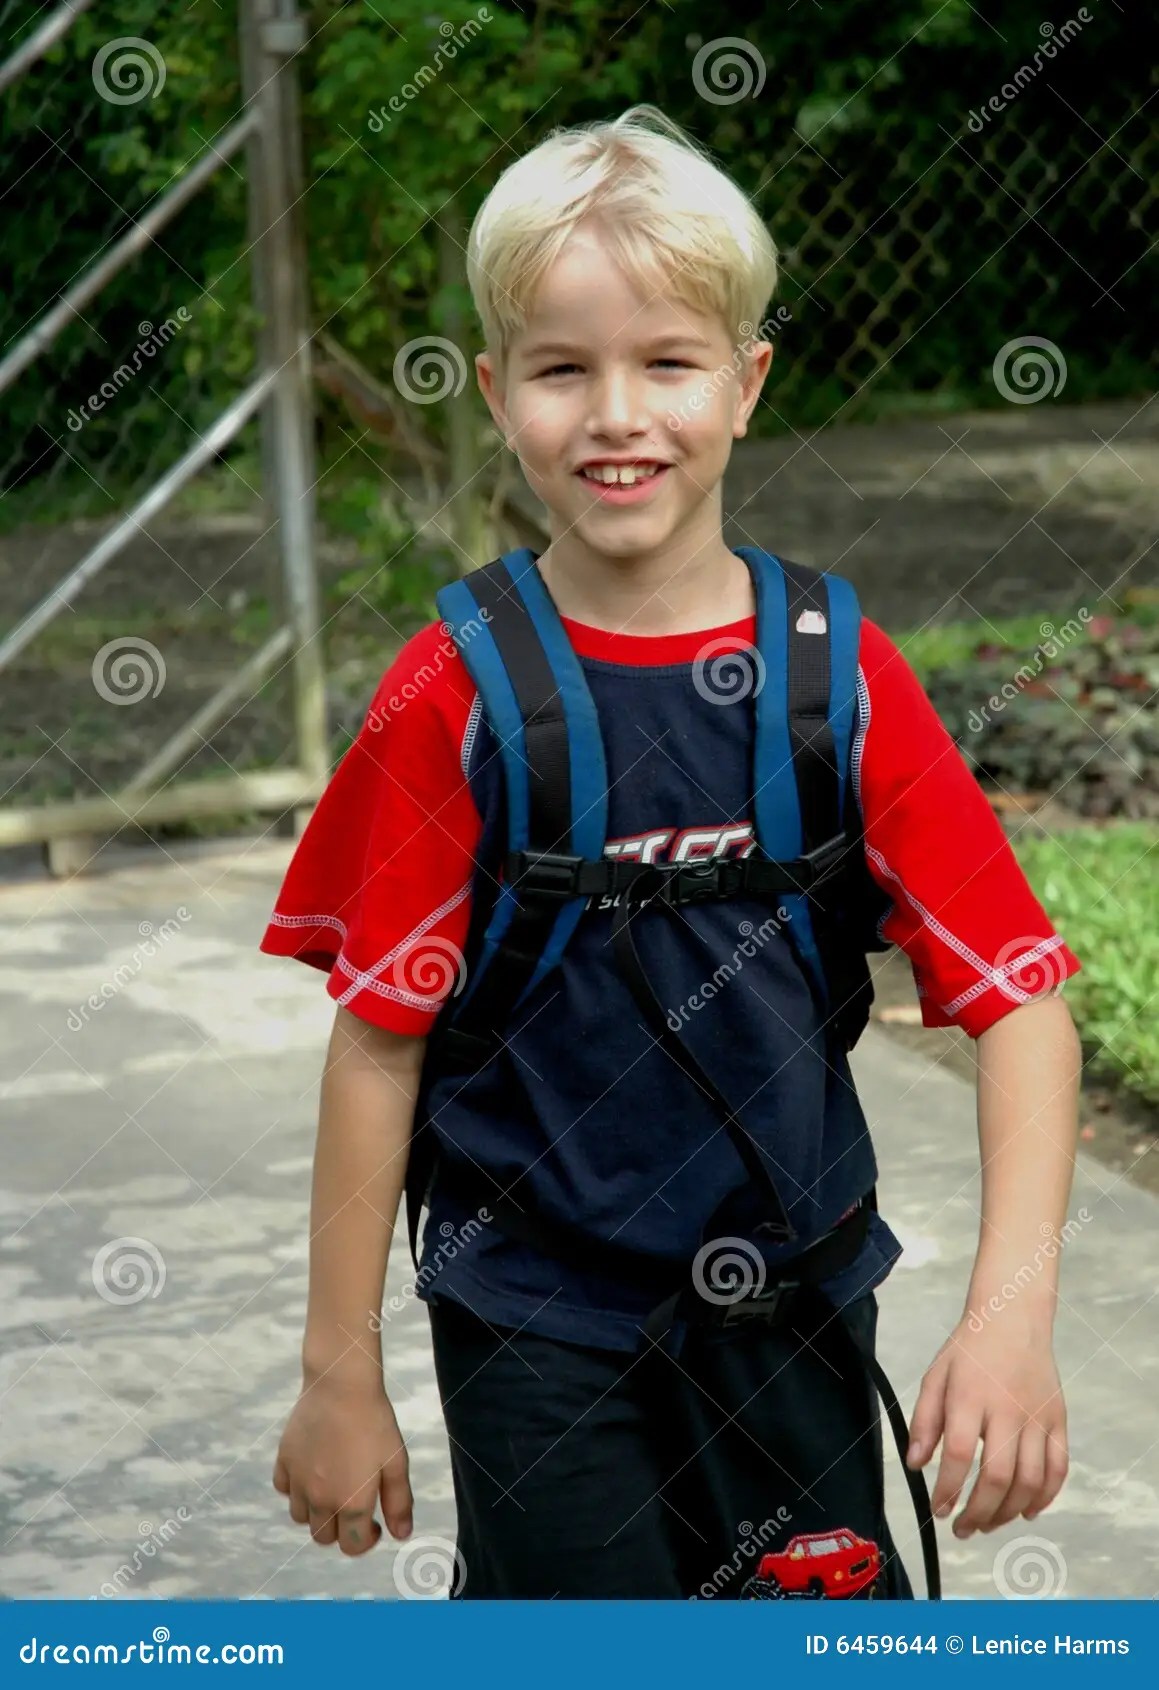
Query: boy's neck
{"points": [[710, 591]]}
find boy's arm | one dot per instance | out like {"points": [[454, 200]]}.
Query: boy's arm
{"points": [[982, 950], [378, 895], [369, 1086], [1029, 1064], [342, 1454], [996, 1378]]}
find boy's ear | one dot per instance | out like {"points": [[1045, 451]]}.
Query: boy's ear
{"points": [[753, 379], [488, 387]]}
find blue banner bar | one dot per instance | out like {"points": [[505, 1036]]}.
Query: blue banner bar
{"points": [[593, 1645]]}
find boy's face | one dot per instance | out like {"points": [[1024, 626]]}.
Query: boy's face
{"points": [[599, 372]]}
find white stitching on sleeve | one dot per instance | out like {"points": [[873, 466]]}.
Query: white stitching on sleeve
{"points": [[369, 980], [277, 920], [999, 976], [470, 732]]}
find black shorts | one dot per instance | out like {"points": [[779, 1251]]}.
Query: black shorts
{"points": [[581, 1472]]}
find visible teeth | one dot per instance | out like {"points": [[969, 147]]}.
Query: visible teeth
{"points": [[627, 475]]}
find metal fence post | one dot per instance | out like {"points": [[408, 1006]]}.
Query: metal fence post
{"points": [[273, 32]]}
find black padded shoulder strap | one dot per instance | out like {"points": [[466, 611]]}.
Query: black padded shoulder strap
{"points": [[839, 905]]}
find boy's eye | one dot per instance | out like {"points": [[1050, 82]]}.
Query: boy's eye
{"points": [[556, 368]]}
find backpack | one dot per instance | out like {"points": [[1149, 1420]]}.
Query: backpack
{"points": [[809, 846]]}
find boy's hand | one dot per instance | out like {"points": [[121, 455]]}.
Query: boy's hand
{"points": [[342, 1453], [1000, 1384]]}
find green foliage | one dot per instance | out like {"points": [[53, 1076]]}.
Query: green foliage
{"points": [[1061, 706], [1098, 886], [858, 137]]}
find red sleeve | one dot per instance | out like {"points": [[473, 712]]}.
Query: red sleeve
{"points": [[963, 912], [378, 891]]}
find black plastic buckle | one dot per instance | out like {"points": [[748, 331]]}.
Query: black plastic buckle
{"points": [[714, 877], [550, 875]]}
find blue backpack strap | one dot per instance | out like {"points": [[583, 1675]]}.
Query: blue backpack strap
{"points": [[546, 730], [808, 637], [545, 725]]}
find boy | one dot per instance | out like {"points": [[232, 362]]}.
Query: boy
{"points": [[617, 274]]}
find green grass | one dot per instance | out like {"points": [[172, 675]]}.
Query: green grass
{"points": [[1100, 888], [952, 644]]}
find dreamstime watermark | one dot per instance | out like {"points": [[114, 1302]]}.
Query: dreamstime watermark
{"points": [[1052, 40], [425, 1568], [453, 1241], [727, 1269], [380, 714], [151, 342], [153, 1540], [444, 54], [707, 990], [128, 669], [727, 70], [425, 972], [1030, 1568], [127, 1270], [724, 673], [154, 937], [437, 365], [751, 1543], [1029, 369], [750, 339], [1051, 1246], [128, 70], [1027, 968], [1052, 642]]}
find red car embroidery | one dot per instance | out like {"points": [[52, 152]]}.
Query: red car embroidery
{"points": [[837, 1563]]}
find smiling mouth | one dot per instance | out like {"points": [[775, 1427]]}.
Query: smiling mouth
{"points": [[629, 475]]}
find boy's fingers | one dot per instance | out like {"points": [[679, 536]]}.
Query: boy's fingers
{"points": [[1029, 1475], [397, 1504], [281, 1477], [323, 1528], [926, 1424], [996, 1475], [358, 1530], [959, 1443], [1057, 1466], [299, 1508]]}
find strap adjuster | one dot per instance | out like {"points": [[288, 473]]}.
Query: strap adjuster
{"points": [[821, 862], [550, 875]]}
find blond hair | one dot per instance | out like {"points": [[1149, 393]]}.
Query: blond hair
{"points": [[673, 221]]}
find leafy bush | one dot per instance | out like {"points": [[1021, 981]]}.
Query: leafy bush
{"points": [[1100, 888], [1072, 715]]}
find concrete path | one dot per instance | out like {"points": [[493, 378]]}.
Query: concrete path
{"points": [[139, 1422]]}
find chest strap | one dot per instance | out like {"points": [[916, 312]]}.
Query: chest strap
{"points": [[554, 875]]}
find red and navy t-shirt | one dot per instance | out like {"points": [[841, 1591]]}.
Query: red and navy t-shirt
{"points": [[582, 1104]]}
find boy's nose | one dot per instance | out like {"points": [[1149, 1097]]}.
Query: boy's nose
{"points": [[619, 406]]}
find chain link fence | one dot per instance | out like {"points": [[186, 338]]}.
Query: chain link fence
{"points": [[911, 262]]}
